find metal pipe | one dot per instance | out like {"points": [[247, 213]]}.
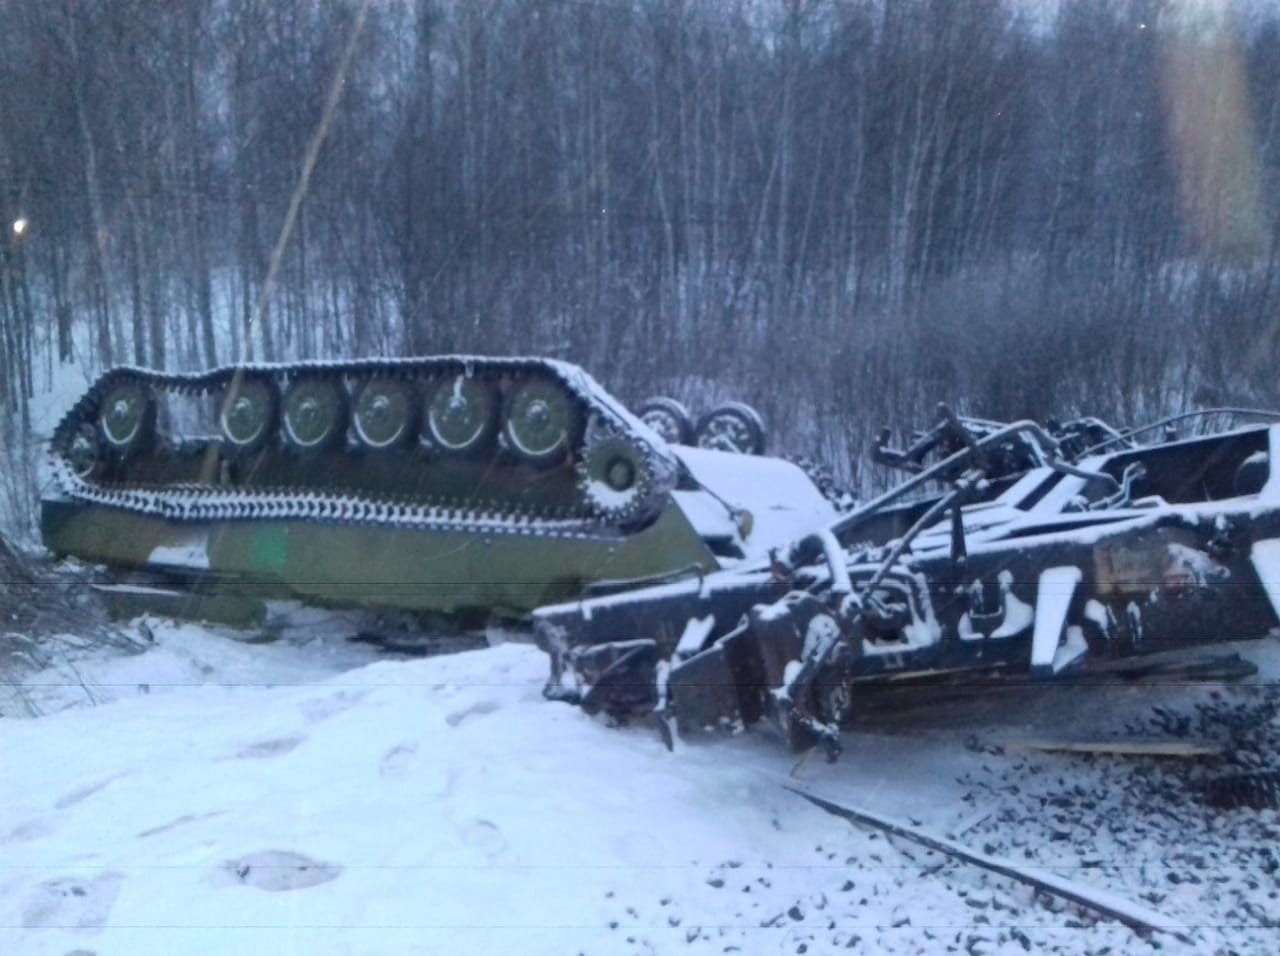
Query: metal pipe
{"points": [[1038, 434]]}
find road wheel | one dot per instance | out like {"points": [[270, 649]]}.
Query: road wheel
{"points": [[462, 415], [732, 426], [669, 418], [128, 418], [385, 413], [315, 413], [541, 421], [249, 409]]}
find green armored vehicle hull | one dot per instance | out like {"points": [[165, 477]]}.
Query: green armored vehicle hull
{"points": [[453, 484]]}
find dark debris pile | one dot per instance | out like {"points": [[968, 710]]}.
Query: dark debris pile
{"points": [[1246, 725], [1181, 835], [37, 602], [44, 615]]}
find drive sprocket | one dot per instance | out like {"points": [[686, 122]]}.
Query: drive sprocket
{"points": [[617, 476]]}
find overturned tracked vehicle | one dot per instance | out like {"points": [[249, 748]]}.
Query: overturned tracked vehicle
{"points": [[452, 484], [1008, 549]]}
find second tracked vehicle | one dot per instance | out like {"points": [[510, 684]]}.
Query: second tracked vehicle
{"points": [[454, 484]]}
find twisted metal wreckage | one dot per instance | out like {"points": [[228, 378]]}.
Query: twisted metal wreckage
{"points": [[708, 587], [1048, 554]]}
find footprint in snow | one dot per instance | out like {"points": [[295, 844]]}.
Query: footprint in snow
{"points": [[30, 830], [269, 748], [276, 871], [430, 778], [395, 762], [479, 708], [181, 821], [72, 797], [72, 902], [484, 835], [325, 707]]}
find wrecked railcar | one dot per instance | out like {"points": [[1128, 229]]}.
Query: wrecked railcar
{"points": [[1012, 549]]}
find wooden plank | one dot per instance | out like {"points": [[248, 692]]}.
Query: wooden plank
{"points": [[1121, 748]]}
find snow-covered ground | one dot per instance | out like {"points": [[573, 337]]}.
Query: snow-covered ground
{"points": [[312, 796]]}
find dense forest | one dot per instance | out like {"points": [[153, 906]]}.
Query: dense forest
{"points": [[842, 211]]}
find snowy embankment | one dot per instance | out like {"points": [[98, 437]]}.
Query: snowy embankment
{"points": [[305, 796]]}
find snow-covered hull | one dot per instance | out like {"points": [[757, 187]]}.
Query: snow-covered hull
{"points": [[453, 483]]}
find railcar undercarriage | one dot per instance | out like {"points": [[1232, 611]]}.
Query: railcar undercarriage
{"points": [[1007, 549]]}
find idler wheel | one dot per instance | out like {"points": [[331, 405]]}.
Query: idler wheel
{"points": [[541, 420], [734, 427], [385, 414], [462, 415], [614, 478], [315, 411], [128, 417], [248, 415], [83, 453], [669, 418]]}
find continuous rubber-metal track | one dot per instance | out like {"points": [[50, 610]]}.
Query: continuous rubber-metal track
{"points": [[619, 471]]}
